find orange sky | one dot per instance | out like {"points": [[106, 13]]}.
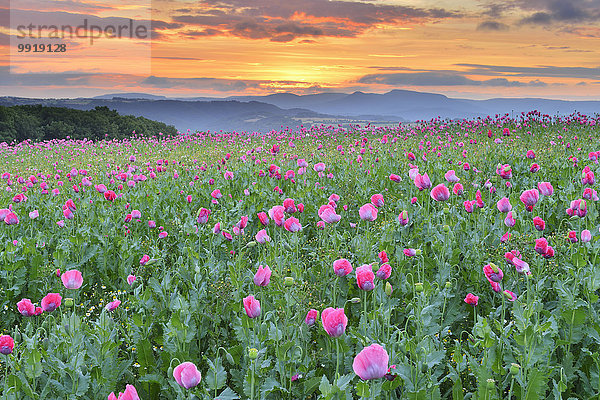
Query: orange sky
{"points": [[219, 48]]}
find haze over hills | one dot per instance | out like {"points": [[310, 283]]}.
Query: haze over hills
{"points": [[264, 113]]}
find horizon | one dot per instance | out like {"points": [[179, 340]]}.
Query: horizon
{"points": [[476, 49]]}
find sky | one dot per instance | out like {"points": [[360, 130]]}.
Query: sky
{"points": [[217, 48]]}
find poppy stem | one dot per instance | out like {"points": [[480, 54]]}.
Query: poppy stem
{"points": [[337, 358]]}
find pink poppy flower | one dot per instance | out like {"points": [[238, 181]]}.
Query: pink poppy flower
{"points": [[440, 193], [163, 235], [505, 238], [530, 197], [365, 277], [509, 221], [410, 252], [319, 167], [34, 214], [112, 305], [26, 307], [334, 321], [187, 375], [71, 205], [451, 177], [541, 245], [11, 219], [251, 306], [510, 296], [539, 224], [136, 214], [472, 299], [383, 257], [371, 362], [129, 394], [277, 215], [504, 205], [203, 215], [216, 194], [289, 206], [262, 277], [327, 214], [145, 258], [384, 271], [342, 267], [368, 212], [572, 237], [493, 273], [530, 154], [292, 225], [586, 236], [110, 195], [262, 237], [458, 189], [311, 317], [131, 279], [51, 302], [395, 178], [72, 279], [151, 224], [422, 182], [7, 344], [377, 200], [263, 218]]}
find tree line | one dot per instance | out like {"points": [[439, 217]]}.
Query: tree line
{"points": [[39, 123]]}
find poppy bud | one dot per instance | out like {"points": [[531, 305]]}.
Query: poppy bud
{"points": [[446, 228], [388, 289], [355, 300], [253, 353], [418, 287], [69, 302], [514, 368], [289, 281], [448, 285], [419, 252]]}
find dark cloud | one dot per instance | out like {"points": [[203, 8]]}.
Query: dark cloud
{"points": [[545, 12], [439, 79], [537, 71], [286, 21], [492, 26]]}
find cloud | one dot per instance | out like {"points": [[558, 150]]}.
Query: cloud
{"points": [[302, 19], [492, 26], [536, 71], [550, 11], [439, 79]]}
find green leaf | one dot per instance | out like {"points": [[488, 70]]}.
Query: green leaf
{"points": [[325, 387], [362, 389], [343, 381], [457, 390], [227, 394], [145, 355], [216, 377], [535, 384]]}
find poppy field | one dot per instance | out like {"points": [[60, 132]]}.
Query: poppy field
{"points": [[433, 260]]}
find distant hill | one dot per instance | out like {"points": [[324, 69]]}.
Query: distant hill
{"points": [[271, 112]]}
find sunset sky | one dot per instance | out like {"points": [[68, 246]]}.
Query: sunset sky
{"points": [[218, 48]]}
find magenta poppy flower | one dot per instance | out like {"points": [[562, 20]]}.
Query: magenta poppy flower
{"points": [[545, 188], [572, 237], [292, 225], [70, 204], [403, 218], [334, 321], [510, 295], [530, 154], [203, 215], [383, 257], [384, 271], [539, 224], [11, 218], [131, 279], [145, 258], [440, 193], [151, 224], [509, 221], [327, 214], [262, 237], [365, 277], [541, 245], [493, 273], [505, 238], [530, 197], [251, 306], [263, 218], [7, 344], [371, 362], [469, 205], [112, 305], [100, 188], [471, 299], [262, 277], [458, 189], [26, 307], [410, 252], [51, 302], [342, 267], [395, 178], [187, 375], [163, 235], [128, 218], [422, 182], [534, 167], [549, 252], [289, 206], [110, 195], [368, 212], [216, 194], [377, 200], [72, 279], [504, 205], [311, 317]]}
